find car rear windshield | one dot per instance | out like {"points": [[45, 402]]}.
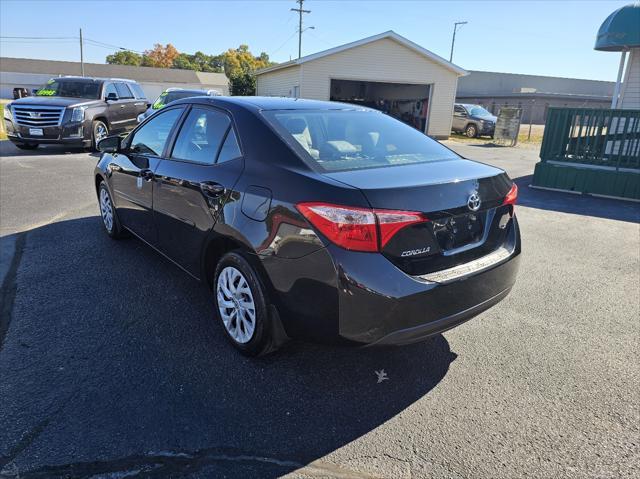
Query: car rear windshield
{"points": [[71, 89], [340, 140], [169, 96]]}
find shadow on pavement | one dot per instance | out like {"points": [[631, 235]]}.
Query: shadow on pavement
{"points": [[8, 149], [576, 204], [112, 363]]}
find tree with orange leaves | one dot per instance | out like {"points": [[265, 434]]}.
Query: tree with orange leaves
{"points": [[160, 56]]}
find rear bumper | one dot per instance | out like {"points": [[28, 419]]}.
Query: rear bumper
{"points": [[363, 298], [391, 307], [423, 331]]}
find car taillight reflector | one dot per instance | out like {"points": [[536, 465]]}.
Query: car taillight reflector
{"points": [[391, 222], [512, 196], [358, 229]]}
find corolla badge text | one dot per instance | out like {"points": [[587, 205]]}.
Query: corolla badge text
{"points": [[414, 252]]}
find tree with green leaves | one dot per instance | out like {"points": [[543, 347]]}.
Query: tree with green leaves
{"points": [[238, 64], [200, 62], [125, 57], [242, 84]]}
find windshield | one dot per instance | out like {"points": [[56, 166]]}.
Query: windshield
{"points": [[479, 111], [168, 96], [71, 89], [339, 140]]}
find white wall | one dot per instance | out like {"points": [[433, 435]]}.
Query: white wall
{"points": [[630, 94], [383, 60], [279, 82]]}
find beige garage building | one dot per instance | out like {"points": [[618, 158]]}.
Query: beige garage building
{"points": [[386, 71]]}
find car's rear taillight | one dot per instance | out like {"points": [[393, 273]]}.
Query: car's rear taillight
{"points": [[512, 196], [390, 222], [358, 229]]}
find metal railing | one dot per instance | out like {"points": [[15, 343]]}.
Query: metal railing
{"points": [[599, 138]]}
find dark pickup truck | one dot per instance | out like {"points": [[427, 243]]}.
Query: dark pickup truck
{"points": [[77, 111]]}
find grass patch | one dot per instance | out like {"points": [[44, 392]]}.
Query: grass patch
{"points": [[3, 129], [537, 132]]}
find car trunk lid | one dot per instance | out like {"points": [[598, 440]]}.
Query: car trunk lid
{"points": [[462, 199]]}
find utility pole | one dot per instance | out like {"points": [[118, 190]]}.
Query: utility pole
{"points": [[453, 40], [300, 11], [81, 54]]}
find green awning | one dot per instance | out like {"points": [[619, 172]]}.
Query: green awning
{"points": [[621, 30]]}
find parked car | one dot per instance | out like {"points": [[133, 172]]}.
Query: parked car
{"points": [[473, 120], [315, 220], [76, 111], [173, 94]]}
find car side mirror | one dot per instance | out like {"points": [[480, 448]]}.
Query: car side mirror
{"points": [[110, 144], [112, 97]]}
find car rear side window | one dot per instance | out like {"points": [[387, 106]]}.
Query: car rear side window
{"points": [[137, 91], [201, 135], [123, 91], [339, 140], [230, 148], [151, 138]]}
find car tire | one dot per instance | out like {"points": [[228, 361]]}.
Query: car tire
{"points": [[241, 305], [27, 146], [99, 130], [110, 220], [471, 130]]}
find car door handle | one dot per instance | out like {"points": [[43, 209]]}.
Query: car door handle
{"points": [[122, 106], [146, 175], [212, 189]]}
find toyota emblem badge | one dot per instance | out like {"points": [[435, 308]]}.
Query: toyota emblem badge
{"points": [[473, 203]]}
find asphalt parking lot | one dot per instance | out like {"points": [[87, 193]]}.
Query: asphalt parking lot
{"points": [[111, 366]]}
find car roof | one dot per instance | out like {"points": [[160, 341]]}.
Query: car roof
{"points": [[258, 103], [93, 79], [185, 90]]}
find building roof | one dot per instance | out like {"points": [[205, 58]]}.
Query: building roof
{"points": [[389, 34], [148, 74], [621, 30], [485, 84]]}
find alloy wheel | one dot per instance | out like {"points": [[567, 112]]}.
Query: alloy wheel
{"points": [[100, 131], [106, 209], [471, 131], [236, 305]]}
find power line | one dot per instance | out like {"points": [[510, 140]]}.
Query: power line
{"points": [[96, 43], [38, 38], [283, 44], [36, 42]]}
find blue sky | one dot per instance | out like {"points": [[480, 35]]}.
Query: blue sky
{"points": [[536, 37]]}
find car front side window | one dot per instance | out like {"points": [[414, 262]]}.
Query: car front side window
{"points": [[110, 89], [201, 135], [151, 138], [123, 91]]}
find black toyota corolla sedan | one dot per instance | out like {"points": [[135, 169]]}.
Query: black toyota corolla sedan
{"points": [[315, 220]]}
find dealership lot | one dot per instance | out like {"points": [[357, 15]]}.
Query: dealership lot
{"points": [[114, 367]]}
